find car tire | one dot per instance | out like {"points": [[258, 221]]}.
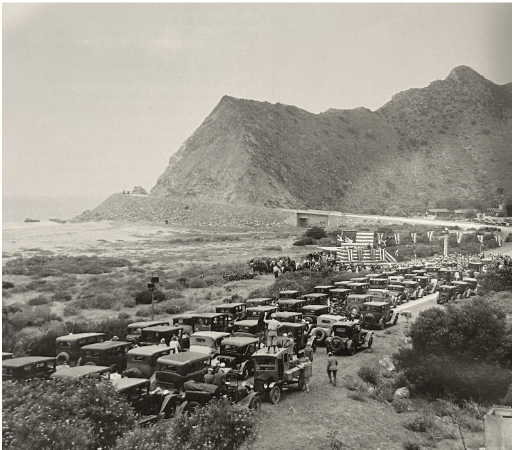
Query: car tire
{"points": [[246, 372], [255, 403], [275, 395], [396, 320], [64, 355], [191, 408], [320, 335], [336, 344]]}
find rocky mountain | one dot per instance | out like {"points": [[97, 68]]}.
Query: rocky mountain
{"points": [[446, 145]]}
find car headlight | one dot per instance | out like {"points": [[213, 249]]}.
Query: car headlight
{"points": [[265, 386], [251, 386], [166, 392]]}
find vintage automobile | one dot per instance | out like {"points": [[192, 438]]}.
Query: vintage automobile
{"points": [[396, 279], [409, 276], [432, 270], [316, 298], [413, 289], [473, 284], [291, 304], [378, 314], [207, 342], [275, 371], [355, 304], [420, 272], [323, 289], [358, 288], [236, 353], [463, 289], [108, 353], [378, 283], [245, 328], [68, 347], [235, 311], [446, 275], [7, 355], [399, 293], [134, 330], [382, 295], [142, 360], [389, 273], [425, 283], [99, 372], [290, 294], [196, 395], [403, 270], [312, 312], [288, 316], [339, 300], [27, 367], [300, 334], [323, 327], [186, 322], [477, 266], [255, 311], [153, 335], [252, 302], [342, 284], [446, 293], [347, 337], [211, 322], [359, 280], [173, 370]]}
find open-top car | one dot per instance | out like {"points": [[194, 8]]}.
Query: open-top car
{"points": [[378, 314], [153, 335], [288, 316], [275, 371], [245, 328], [236, 353], [399, 293], [355, 304], [312, 312], [446, 294], [323, 327], [291, 304], [235, 311], [134, 330], [316, 298], [252, 302], [413, 289], [347, 337], [207, 342], [108, 353], [27, 367]]}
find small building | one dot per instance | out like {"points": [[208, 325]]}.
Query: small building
{"points": [[439, 212], [498, 428]]}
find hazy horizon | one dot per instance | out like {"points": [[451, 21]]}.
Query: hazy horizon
{"points": [[97, 97]]}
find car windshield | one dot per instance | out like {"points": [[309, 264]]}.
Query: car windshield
{"points": [[231, 349], [371, 308], [265, 363], [342, 331]]}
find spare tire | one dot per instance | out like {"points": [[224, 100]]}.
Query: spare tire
{"points": [[369, 319], [320, 335], [443, 297], [63, 355], [354, 310], [336, 343]]}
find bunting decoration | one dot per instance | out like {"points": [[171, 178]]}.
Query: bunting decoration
{"points": [[430, 235], [339, 238], [397, 238], [413, 236], [359, 253], [350, 254], [396, 252]]}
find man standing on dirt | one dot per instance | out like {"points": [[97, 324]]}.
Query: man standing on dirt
{"points": [[332, 368], [308, 352], [307, 373], [272, 325], [276, 271]]}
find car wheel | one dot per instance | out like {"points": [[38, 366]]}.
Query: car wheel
{"points": [[191, 408], [275, 395], [352, 349], [370, 342], [335, 344], [320, 335], [245, 372], [255, 404]]}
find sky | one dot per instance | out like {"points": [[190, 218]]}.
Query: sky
{"points": [[96, 97]]}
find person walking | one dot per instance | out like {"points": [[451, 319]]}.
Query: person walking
{"points": [[174, 345], [308, 352], [307, 365], [332, 368], [272, 326], [276, 271]]}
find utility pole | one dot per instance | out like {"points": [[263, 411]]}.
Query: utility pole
{"points": [[152, 287], [445, 242]]}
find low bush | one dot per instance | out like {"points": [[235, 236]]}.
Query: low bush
{"points": [[357, 396], [369, 374], [7, 285], [315, 233], [408, 445], [144, 297], [38, 301], [101, 301], [62, 297], [303, 242], [401, 406], [70, 310], [420, 423]]}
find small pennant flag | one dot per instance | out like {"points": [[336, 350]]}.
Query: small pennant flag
{"points": [[459, 237], [480, 238], [397, 238], [430, 235], [339, 238], [413, 236]]}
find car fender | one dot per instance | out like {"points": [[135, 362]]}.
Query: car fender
{"points": [[247, 400], [167, 399], [348, 343], [369, 334], [271, 385], [181, 408]]}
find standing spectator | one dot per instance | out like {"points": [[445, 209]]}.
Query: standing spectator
{"points": [[276, 271], [175, 345], [209, 378], [307, 365], [288, 343], [332, 368], [162, 342], [261, 327], [272, 326], [308, 352], [219, 379]]}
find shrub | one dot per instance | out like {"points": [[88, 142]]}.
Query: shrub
{"points": [[401, 405], [9, 285], [357, 396], [421, 423], [37, 301], [304, 242], [408, 445], [496, 279], [101, 301], [62, 296], [315, 233], [70, 310], [369, 374], [144, 297]]}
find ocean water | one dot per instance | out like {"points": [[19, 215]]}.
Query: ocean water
{"points": [[19, 208]]}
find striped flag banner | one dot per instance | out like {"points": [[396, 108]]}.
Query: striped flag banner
{"points": [[480, 237], [359, 253], [459, 237], [430, 235], [350, 252], [413, 236], [397, 238]]}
